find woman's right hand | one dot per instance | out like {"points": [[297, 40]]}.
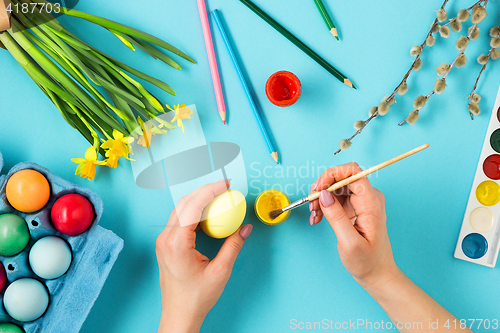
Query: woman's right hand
{"points": [[357, 216]]}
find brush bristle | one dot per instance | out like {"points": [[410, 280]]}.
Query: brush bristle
{"points": [[275, 214]]}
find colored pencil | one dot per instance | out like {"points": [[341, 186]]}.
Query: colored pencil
{"points": [[212, 60], [327, 18], [314, 196], [306, 49], [272, 151]]}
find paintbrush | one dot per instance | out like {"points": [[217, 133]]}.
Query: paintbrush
{"points": [[314, 196]]}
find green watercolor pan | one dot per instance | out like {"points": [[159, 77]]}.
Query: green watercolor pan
{"points": [[479, 239]]}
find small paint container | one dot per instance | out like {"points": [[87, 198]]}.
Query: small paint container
{"points": [[283, 88], [268, 201]]}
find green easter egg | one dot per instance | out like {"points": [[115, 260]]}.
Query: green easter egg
{"points": [[10, 328], [14, 235]]}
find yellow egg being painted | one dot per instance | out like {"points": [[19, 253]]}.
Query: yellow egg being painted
{"points": [[224, 215], [488, 193]]}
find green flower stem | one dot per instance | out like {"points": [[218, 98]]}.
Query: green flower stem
{"points": [[97, 142], [75, 74], [156, 53], [116, 63], [132, 40], [109, 24], [55, 72]]}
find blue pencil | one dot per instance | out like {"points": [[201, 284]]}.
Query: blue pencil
{"points": [[272, 151]]}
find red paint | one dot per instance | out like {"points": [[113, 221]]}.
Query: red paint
{"points": [[72, 214], [283, 88], [491, 167], [498, 114], [3, 278]]}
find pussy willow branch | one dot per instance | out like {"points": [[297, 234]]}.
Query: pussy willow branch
{"points": [[452, 65], [477, 80], [468, 9], [423, 45]]}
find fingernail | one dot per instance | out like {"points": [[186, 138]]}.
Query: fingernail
{"points": [[245, 231], [314, 213], [311, 206], [227, 181], [311, 219], [326, 198], [315, 184]]}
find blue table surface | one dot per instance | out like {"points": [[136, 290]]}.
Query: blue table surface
{"points": [[291, 271]]}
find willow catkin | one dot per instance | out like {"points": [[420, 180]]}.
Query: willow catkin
{"points": [[495, 31], [383, 108], [359, 125], [418, 65], [344, 144], [419, 102], [483, 59], [444, 31], [403, 88], [461, 61], [442, 69], [478, 14], [439, 86], [412, 117], [441, 15], [415, 50], [462, 43], [495, 54], [430, 41], [474, 109], [463, 15], [475, 98], [456, 26]]}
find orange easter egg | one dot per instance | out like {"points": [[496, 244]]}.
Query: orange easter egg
{"points": [[28, 191]]}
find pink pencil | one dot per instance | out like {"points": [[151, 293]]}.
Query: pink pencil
{"points": [[211, 59]]}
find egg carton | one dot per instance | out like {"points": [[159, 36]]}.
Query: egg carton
{"points": [[94, 254]]}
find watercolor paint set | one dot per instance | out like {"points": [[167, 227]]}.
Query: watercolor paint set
{"points": [[49, 279], [479, 239]]}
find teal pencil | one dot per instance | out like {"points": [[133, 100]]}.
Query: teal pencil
{"points": [[272, 151]]}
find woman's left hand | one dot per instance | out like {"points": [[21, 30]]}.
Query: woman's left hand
{"points": [[191, 284]]}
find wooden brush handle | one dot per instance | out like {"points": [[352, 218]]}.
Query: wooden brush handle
{"points": [[366, 172]]}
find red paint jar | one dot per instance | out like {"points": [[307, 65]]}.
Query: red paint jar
{"points": [[283, 88]]}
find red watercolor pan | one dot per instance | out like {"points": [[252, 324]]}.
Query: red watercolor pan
{"points": [[491, 167]]}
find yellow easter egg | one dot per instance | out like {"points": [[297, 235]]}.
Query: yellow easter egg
{"points": [[224, 215]]}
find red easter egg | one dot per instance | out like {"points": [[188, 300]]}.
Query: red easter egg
{"points": [[72, 214], [3, 278]]}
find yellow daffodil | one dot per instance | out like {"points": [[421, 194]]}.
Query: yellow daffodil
{"points": [[86, 166], [181, 112], [148, 131], [116, 148]]}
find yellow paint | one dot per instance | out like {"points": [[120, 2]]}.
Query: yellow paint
{"points": [[268, 201], [224, 215], [488, 193], [481, 219]]}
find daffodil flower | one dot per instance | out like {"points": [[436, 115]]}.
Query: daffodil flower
{"points": [[116, 148], [86, 166], [148, 131], [181, 112]]}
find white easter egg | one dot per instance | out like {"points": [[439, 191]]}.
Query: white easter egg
{"points": [[50, 257], [26, 299]]}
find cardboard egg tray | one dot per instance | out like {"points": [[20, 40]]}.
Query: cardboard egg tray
{"points": [[94, 253]]}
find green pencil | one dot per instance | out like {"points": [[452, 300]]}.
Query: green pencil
{"points": [[327, 18], [341, 77]]}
